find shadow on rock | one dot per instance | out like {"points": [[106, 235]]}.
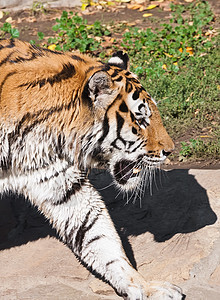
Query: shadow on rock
{"points": [[175, 203], [20, 222]]}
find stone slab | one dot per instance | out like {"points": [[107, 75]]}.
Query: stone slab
{"points": [[172, 234]]}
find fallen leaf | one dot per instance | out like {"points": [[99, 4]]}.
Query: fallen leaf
{"points": [[134, 6], [175, 63], [52, 47], [167, 54], [189, 50], [84, 5], [1, 14], [141, 8], [125, 1], [130, 24], [164, 67], [9, 20], [151, 6], [147, 15], [205, 136]]}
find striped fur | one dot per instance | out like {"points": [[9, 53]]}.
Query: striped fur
{"points": [[62, 114]]}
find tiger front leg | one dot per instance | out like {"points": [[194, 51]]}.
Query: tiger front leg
{"points": [[85, 226]]}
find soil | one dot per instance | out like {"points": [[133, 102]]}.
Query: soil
{"points": [[29, 23]]}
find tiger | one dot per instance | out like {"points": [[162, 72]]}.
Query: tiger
{"points": [[63, 113]]}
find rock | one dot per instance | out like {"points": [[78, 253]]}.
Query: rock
{"points": [[99, 287], [173, 234]]}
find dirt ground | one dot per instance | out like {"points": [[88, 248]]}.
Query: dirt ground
{"points": [[29, 22]]}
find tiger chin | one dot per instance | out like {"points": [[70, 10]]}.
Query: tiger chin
{"points": [[60, 114]]}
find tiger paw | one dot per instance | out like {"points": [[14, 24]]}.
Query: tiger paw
{"points": [[163, 291], [154, 290]]}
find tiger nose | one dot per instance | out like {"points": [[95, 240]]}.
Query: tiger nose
{"points": [[167, 153]]}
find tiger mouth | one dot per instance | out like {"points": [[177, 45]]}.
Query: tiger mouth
{"points": [[124, 170]]}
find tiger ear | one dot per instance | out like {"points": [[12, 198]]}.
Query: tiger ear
{"points": [[96, 89], [120, 60], [99, 83]]}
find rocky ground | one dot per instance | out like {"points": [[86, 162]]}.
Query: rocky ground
{"points": [[173, 234]]}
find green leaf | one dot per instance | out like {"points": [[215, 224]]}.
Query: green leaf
{"points": [[40, 35]]}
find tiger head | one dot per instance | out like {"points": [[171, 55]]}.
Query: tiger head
{"points": [[132, 139]]}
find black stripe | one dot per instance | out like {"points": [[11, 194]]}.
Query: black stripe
{"points": [[120, 123], [76, 186], [128, 86], [60, 145], [134, 80], [115, 73], [119, 78], [137, 146], [4, 80], [136, 94], [140, 106], [111, 262], [105, 127], [6, 59], [81, 233], [98, 237], [134, 130], [76, 57], [86, 96], [132, 116], [106, 120], [68, 238], [56, 174], [20, 59], [123, 107], [31, 117], [67, 72], [10, 45]]}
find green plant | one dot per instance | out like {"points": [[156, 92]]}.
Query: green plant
{"points": [[74, 33], [167, 49], [189, 148], [197, 148], [8, 29]]}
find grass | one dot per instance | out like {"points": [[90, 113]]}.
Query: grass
{"points": [[178, 64]]}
